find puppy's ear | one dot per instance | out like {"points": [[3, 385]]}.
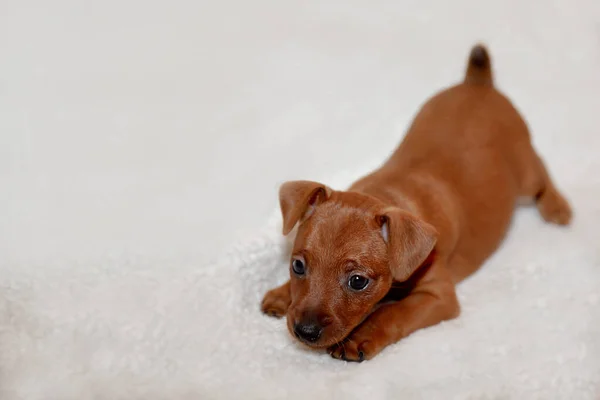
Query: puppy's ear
{"points": [[410, 240], [298, 200]]}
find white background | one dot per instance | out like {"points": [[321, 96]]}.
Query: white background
{"points": [[169, 126]]}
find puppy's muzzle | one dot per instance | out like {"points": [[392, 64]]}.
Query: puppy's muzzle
{"points": [[310, 326]]}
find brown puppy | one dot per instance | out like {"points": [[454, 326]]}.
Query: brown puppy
{"points": [[375, 263]]}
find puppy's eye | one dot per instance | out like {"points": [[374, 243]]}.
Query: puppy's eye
{"points": [[298, 267], [357, 282]]}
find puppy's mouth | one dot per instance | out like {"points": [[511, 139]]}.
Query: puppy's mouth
{"points": [[312, 345], [325, 340], [320, 344]]}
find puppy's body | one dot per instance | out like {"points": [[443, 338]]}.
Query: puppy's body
{"points": [[461, 167], [431, 215]]}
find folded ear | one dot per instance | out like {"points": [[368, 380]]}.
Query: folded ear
{"points": [[410, 240], [298, 200]]}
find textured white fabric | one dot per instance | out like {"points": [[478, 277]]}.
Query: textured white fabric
{"points": [[130, 327], [138, 138]]}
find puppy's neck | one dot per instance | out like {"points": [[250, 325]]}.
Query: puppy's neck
{"points": [[400, 290]]}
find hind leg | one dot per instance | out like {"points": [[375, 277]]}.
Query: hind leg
{"points": [[536, 183], [553, 206]]}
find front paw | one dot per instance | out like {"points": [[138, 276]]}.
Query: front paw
{"points": [[359, 346], [276, 302]]}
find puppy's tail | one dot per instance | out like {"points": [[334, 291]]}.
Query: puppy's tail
{"points": [[479, 67]]}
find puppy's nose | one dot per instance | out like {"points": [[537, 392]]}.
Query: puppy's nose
{"points": [[310, 331]]}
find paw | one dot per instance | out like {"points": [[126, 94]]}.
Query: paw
{"points": [[554, 208], [359, 346], [275, 303]]}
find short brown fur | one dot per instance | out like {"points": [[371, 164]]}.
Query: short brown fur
{"points": [[425, 220]]}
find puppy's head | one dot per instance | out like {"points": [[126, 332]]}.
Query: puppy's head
{"points": [[348, 250]]}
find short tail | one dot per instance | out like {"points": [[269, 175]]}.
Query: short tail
{"points": [[479, 67]]}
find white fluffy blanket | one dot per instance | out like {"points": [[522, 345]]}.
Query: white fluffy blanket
{"points": [[131, 327]]}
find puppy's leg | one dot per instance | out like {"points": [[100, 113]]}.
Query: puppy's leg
{"points": [[427, 305], [536, 183], [552, 205], [276, 301]]}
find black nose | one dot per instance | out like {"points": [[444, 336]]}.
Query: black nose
{"points": [[310, 332]]}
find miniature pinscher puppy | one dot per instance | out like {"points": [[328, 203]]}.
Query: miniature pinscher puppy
{"points": [[372, 264]]}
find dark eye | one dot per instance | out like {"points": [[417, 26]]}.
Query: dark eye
{"points": [[298, 267], [357, 282]]}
